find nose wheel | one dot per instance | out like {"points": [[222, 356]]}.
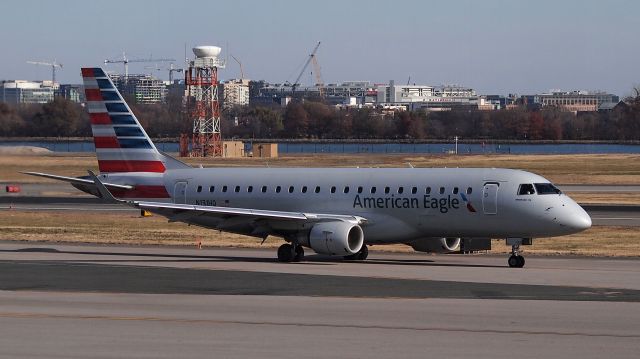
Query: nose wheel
{"points": [[516, 260]]}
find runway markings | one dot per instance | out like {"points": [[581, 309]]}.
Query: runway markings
{"points": [[27, 315]]}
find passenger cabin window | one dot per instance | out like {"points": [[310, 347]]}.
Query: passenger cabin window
{"points": [[469, 190], [441, 190], [237, 189], [224, 188], [526, 189], [414, 190], [212, 189], [250, 189], [333, 189], [373, 190], [346, 189], [291, 189], [304, 189], [278, 189], [264, 189], [455, 190], [547, 188], [428, 190], [360, 189], [400, 190], [199, 189], [317, 189], [387, 190]]}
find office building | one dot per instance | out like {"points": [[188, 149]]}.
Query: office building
{"points": [[235, 93], [23, 92], [145, 89], [576, 101]]}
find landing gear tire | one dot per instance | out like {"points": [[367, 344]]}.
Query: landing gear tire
{"points": [[285, 253], [299, 254], [290, 253], [516, 261], [362, 254]]}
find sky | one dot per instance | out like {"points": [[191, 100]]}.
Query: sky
{"points": [[493, 46]]}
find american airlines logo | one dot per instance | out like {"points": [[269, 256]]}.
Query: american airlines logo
{"points": [[442, 204]]}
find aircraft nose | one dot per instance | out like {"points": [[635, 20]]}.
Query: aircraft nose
{"points": [[577, 218]]}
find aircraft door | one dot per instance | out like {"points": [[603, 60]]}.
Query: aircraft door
{"points": [[180, 192], [490, 198]]}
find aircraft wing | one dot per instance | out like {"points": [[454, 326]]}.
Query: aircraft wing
{"points": [[262, 221], [222, 212]]}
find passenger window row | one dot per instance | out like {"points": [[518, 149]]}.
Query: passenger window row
{"points": [[333, 189]]}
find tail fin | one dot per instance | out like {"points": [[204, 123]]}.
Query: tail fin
{"points": [[122, 145]]}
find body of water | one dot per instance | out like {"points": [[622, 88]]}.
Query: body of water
{"points": [[418, 148]]}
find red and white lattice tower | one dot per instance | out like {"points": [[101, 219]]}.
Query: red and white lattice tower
{"points": [[202, 104]]}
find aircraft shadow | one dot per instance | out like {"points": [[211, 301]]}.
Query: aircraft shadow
{"points": [[179, 258], [313, 259]]}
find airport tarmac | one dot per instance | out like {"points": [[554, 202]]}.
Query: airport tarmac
{"points": [[167, 302]]}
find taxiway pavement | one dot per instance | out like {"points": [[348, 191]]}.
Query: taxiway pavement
{"points": [[167, 302]]}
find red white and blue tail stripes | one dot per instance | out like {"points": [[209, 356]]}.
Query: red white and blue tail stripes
{"points": [[121, 143]]}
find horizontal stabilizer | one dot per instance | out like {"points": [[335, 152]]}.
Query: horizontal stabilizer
{"points": [[77, 180]]}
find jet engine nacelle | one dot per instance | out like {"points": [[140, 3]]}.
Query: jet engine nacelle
{"points": [[436, 245], [336, 238]]}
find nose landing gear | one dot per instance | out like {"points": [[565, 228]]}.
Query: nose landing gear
{"points": [[515, 260]]}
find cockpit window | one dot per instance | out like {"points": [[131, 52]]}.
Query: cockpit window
{"points": [[526, 189], [547, 188]]}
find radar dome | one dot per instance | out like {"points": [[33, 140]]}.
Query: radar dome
{"points": [[206, 51]]}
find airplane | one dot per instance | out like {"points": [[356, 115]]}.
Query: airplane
{"points": [[334, 211]]}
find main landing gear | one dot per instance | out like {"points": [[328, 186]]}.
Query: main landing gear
{"points": [[516, 260], [362, 254], [290, 253]]}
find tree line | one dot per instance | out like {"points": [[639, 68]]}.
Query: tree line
{"points": [[315, 120]]}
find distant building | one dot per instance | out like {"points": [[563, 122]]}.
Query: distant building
{"points": [[235, 93], [336, 94], [502, 102], [262, 150], [145, 89], [72, 93], [175, 88], [577, 101], [22, 91], [611, 106], [430, 98], [364, 92]]}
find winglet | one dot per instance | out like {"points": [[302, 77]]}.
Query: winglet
{"points": [[104, 192]]}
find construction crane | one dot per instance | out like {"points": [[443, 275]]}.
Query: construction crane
{"points": [[126, 62], [171, 71], [53, 65], [304, 68], [241, 68], [170, 68], [316, 70]]}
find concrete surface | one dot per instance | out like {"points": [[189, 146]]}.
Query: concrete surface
{"points": [[160, 302]]}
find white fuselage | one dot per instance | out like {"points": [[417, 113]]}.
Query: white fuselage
{"points": [[399, 204]]}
